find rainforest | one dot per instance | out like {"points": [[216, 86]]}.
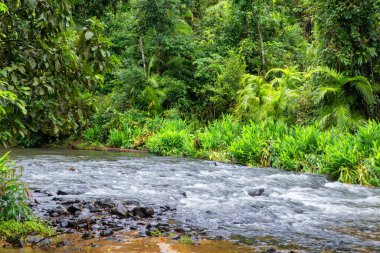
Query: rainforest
{"points": [[285, 87]]}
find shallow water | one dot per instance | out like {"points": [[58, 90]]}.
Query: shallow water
{"points": [[130, 244], [296, 210]]}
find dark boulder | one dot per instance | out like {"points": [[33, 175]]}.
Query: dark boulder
{"points": [[74, 208], [67, 191], [271, 250], [143, 212], [107, 232]]}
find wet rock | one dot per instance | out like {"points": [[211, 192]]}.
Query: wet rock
{"points": [[131, 203], [151, 225], [219, 238], [271, 250], [33, 240], [63, 244], [67, 191], [176, 237], [107, 203], [86, 235], [96, 227], [72, 224], [75, 208], [149, 211], [17, 243], [143, 212], [64, 224], [142, 234], [179, 229], [163, 227], [256, 192], [119, 210], [94, 209], [54, 215], [107, 232], [57, 211], [94, 245], [139, 212]]}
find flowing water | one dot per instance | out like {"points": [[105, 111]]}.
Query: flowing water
{"points": [[295, 211]]}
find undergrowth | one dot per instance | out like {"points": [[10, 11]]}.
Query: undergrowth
{"points": [[348, 157]]}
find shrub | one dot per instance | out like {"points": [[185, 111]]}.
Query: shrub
{"points": [[93, 134], [298, 150], [220, 134], [255, 144], [13, 193], [343, 161], [116, 138], [171, 143], [174, 138]]}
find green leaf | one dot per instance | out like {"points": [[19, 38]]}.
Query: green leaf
{"points": [[88, 35]]}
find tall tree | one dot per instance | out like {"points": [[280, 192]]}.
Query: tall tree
{"points": [[347, 35], [49, 65]]}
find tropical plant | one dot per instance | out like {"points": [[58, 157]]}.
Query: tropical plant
{"points": [[13, 192], [256, 100], [219, 134], [342, 100]]}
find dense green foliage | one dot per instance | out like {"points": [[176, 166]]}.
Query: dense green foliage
{"points": [[13, 193], [305, 72], [16, 218], [341, 155], [50, 66]]}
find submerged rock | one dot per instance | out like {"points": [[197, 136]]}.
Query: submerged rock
{"points": [[256, 192]]}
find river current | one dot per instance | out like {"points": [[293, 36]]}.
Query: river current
{"points": [[303, 210]]}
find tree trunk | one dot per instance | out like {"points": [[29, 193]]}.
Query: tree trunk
{"points": [[142, 55], [259, 29]]}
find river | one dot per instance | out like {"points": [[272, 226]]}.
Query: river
{"points": [[300, 211]]}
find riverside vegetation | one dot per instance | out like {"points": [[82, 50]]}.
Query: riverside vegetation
{"points": [[291, 84]]}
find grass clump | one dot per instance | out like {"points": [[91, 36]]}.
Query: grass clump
{"points": [[11, 231], [186, 240], [173, 139]]}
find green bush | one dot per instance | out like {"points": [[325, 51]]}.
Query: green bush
{"points": [[13, 193], [171, 143], [93, 134], [220, 133], [298, 150], [174, 138], [254, 145]]}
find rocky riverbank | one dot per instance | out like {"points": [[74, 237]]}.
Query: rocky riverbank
{"points": [[104, 217], [108, 220]]}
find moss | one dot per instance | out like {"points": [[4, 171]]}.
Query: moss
{"points": [[186, 240], [15, 230]]}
